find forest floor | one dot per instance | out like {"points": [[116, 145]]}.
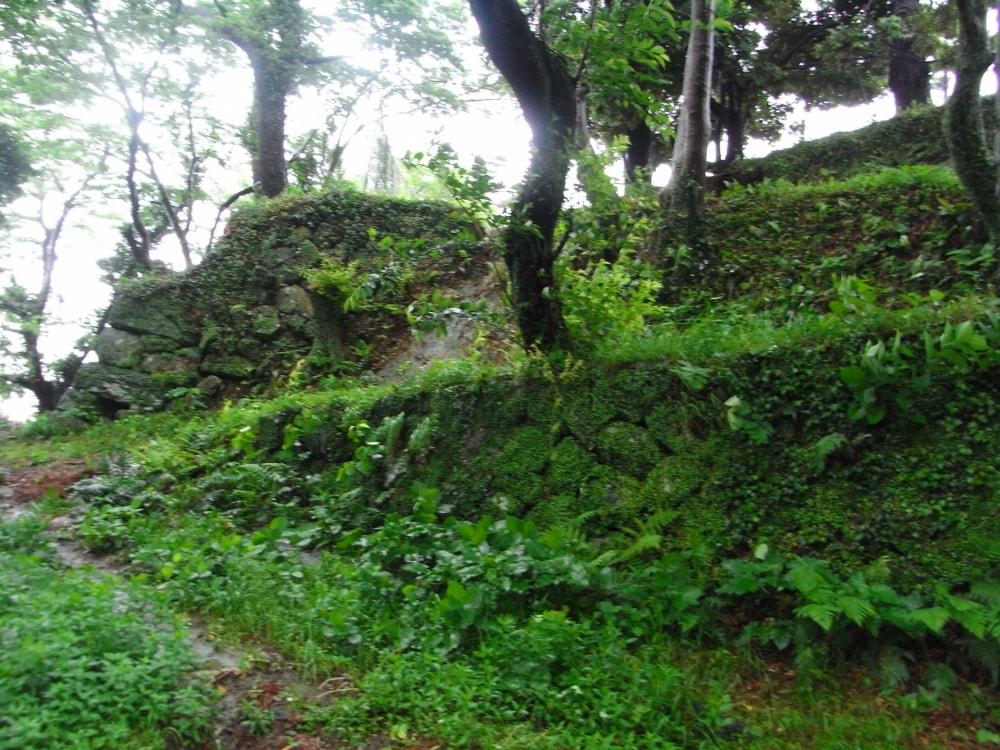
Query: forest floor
{"points": [[244, 674], [253, 675]]}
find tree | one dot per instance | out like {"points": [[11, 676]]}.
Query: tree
{"points": [[134, 55], [909, 72], [546, 95], [683, 199], [277, 38], [133, 90], [626, 80], [964, 129], [26, 312], [273, 34]]}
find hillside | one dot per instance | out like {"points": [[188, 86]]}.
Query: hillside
{"points": [[754, 510]]}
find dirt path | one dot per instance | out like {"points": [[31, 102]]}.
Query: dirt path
{"points": [[260, 695]]}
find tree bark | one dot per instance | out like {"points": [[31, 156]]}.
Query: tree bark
{"points": [[909, 74], [272, 38], [683, 200], [964, 129], [267, 118], [546, 95], [639, 154]]}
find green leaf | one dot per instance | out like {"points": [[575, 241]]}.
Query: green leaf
{"points": [[856, 610], [934, 618], [988, 592], [820, 613], [853, 376], [808, 576]]}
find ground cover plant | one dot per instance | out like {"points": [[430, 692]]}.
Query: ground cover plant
{"points": [[89, 662], [758, 516]]}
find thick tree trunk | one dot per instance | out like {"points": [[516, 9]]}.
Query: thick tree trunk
{"points": [[683, 200], [267, 120], [964, 129], [909, 74], [547, 98]]}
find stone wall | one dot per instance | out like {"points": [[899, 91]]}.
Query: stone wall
{"points": [[246, 314]]}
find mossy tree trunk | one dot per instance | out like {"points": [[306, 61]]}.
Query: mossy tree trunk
{"points": [[683, 200], [964, 129], [546, 95]]}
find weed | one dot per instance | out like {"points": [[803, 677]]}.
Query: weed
{"points": [[83, 668]]}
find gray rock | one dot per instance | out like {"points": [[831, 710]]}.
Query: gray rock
{"points": [[121, 386], [138, 310], [267, 322], [211, 386], [118, 348], [294, 300], [173, 362]]}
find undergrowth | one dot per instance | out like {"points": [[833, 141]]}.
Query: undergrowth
{"points": [[88, 662], [760, 516]]}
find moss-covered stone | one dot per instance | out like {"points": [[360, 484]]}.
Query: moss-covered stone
{"points": [[227, 365], [628, 448]]}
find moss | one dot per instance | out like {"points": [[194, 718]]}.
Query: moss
{"points": [[516, 467], [588, 407], [570, 465], [627, 448]]}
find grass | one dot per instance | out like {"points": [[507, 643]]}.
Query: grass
{"points": [[89, 662]]}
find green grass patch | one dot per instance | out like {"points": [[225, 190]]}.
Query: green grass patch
{"points": [[89, 663]]}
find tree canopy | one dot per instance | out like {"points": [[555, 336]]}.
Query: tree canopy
{"points": [[120, 99]]}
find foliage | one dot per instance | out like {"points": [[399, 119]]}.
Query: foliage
{"points": [[913, 137], [82, 666], [831, 617], [553, 553], [14, 165]]}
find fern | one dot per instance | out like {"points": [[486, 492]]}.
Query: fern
{"points": [[822, 613], [856, 610], [941, 678], [987, 592], [934, 618], [985, 652], [893, 668], [647, 537], [825, 446], [808, 575]]}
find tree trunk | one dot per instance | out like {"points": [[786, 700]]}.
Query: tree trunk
{"points": [[546, 95], [964, 129], [267, 120], [639, 154], [733, 115], [909, 74], [683, 200]]}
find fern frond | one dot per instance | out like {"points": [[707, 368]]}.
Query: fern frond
{"points": [[808, 575], [856, 609], [988, 592], [934, 618], [820, 613], [892, 667], [640, 544]]}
